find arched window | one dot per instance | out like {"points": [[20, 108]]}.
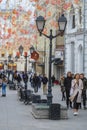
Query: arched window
{"points": [[72, 12]]}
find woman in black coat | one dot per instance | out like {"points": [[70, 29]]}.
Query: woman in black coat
{"points": [[19, 78], [67, 84]]}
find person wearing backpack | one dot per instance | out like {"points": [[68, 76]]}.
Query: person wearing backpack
{"points": [[44, 81]]}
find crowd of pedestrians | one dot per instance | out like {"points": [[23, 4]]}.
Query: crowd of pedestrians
{"points": [[73, 89], [37, 80]]}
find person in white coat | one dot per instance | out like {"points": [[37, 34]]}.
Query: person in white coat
{"points": [[76, 92]]}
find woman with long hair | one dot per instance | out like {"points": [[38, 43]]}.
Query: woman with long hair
{"points": [[76, 92]]}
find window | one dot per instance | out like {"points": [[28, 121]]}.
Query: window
{"points": [[73, 21], [72, 15], [80, 16], [72, 57]]}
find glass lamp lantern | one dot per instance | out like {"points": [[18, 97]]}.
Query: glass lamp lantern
{"points": [[62, 23], [40, 22], [32, 49], [21, 49]]}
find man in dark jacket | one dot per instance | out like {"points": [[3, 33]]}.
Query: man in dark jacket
{"points": [[36, 81], [67, 84], [84, 89], [44, 81], [19, 78]]}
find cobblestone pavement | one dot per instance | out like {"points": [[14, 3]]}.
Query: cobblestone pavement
{"points": [[14, 115]]}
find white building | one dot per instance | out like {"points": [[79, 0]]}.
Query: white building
{"points": [[76, 39]]}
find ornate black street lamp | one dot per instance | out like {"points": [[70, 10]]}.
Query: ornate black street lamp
{"points": [[32, 49], [25, 56], [21, 49], [40, 22]]}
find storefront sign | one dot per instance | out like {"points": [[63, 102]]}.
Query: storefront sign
{"points": [[59, 54]]}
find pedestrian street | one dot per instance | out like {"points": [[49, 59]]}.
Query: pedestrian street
{"points": [[14, 115]]}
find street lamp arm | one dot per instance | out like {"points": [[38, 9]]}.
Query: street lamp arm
{"points": [[50, 36], [59, 34], [45, 35]]}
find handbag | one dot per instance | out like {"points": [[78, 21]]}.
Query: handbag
{"points": [[73, 97]]}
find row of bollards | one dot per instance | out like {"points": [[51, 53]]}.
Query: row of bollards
{"points": [[27, 96]]}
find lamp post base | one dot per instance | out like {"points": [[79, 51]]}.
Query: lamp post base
{"points": [[49, 98], [41, 111]]}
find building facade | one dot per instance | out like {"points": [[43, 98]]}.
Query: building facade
{"points": [[76, 39], [51, 13]]}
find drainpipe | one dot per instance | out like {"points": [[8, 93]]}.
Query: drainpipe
{"points": [[84, 36]]}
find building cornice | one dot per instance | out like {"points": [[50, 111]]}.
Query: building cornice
{"points": [[78, 32]]}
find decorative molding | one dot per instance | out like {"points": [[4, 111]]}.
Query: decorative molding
{"points": [[78, 32]]}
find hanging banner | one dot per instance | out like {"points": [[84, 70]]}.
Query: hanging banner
{"points": [[35, 55]]}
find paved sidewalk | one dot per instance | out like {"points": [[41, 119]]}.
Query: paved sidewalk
{"points": [[14, 115]]}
